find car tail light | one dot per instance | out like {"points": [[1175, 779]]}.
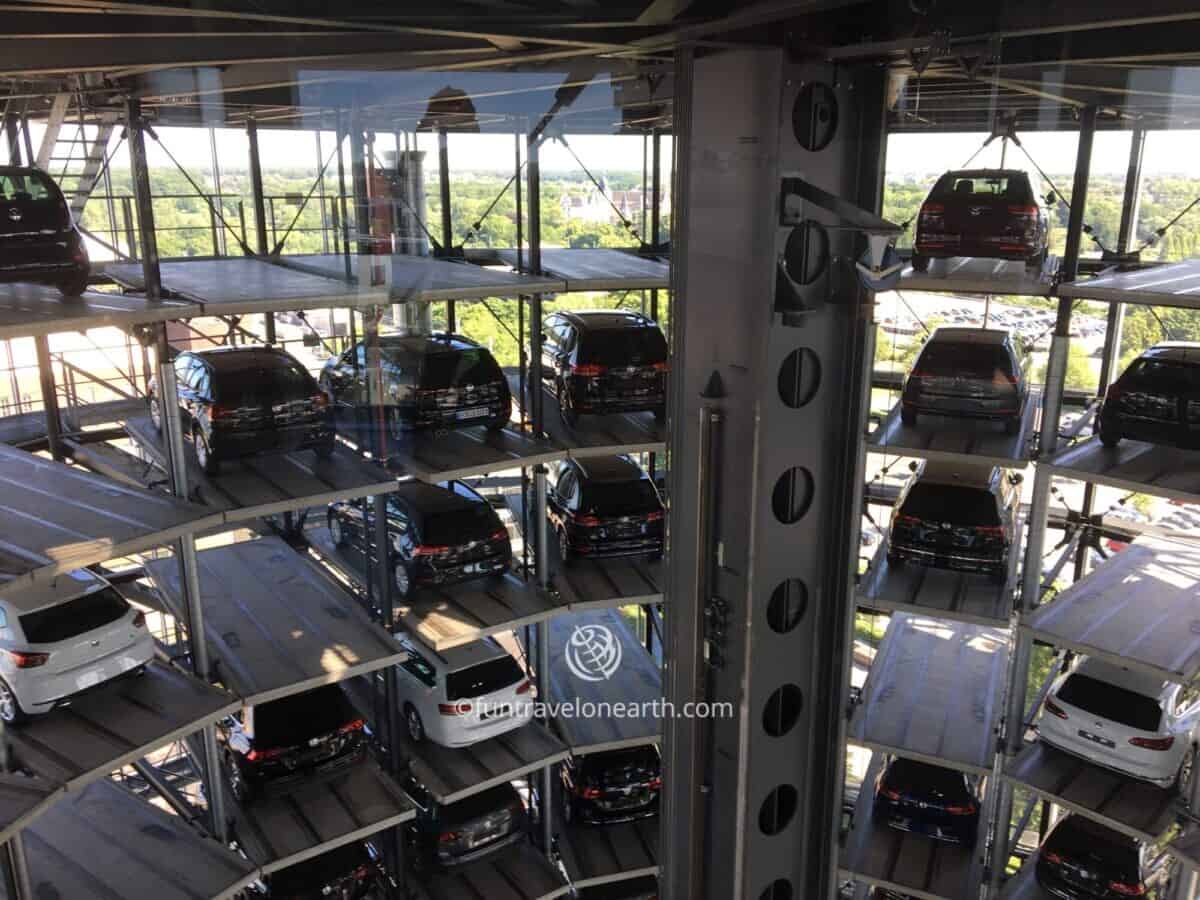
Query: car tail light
{"points": [[525, 686], [362, 873], [891, 793], [429, 550], [447, 837], [1052, 857], [662, 367], [654, 516], [908, 520], [356, 725], [962, 809], [1004, 378], [587, 521], [499, 534], [220, 412], [590, 793], [1127, 890], [1030, 211], [932, 210], [655, 783], [454, 709], [1114, 392], [27, 660], [319, 401], [1054, 709], [588, 370], [259, 755], [990, 530], [1163, 743], [139, 619]]}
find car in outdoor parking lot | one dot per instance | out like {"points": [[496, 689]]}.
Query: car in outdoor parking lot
{"points": [[989, 213], [242, 401], [629, 889], [1084, 860], [611, 786], [39, 241], [1126, 720], [969, 373], [64, 636], [350, 872], [956, 516], [926, 799], [602, 507], [437, 381], [462, 695], [439, 535], [604, 361], [444, 836], [1156, 399], [270, 746]]}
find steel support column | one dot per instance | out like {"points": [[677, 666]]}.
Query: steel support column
{"points": [[13, 137], [41, 344], [143, 198], [546, 789], [15, 864], [533, 176], [759, 566], [447, 219], [261, 243], [358, 178]]}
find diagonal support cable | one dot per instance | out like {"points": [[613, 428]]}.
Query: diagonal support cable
{"points": [[629, 226], [319, 180], [474, 229]]}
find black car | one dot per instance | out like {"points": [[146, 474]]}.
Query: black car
{"points": [[349, 872], [990, 213], [953, 516], [929, 800], [439, 534], [241, 401], [1083, 860], [274, 744], [39, 242], [466, 830], [1156, 399], [604, 506], [611, 786], [630, 889], [437, 381], [605, 361], [974, 373]]}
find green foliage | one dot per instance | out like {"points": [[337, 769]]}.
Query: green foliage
{"points": [[1081, 373]]}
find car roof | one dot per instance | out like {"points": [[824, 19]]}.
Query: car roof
{"points": [[965, 474], [1093, 829], [1175, 351], [609, 468], [425, 344], [987, 173], [59, 589], [466, 655], [605, 318], [429, 499], [232, 359], [963, 335], [1131, 680], [22, 170]]}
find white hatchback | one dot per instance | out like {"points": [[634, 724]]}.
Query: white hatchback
{"points": [[464, 695], [1132, 722], [63, 637]]}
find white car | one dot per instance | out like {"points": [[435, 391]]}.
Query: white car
{"points": [[1132, 722], [464, 695], [63, 637]]}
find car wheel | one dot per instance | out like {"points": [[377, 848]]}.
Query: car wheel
{"points": [[566, 412], [238, 786], [336, 533], [568, 808], [1013, 425], [895, 562], [412, 720], [920, 263], [74, 286], [660, 415], [1187, 767], [1108, 437], [10, 706], [908, 416], [998, 575], [564, 548], [155, 413], [204, 455], [401, 580]]}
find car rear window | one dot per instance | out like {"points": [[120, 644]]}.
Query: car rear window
{"points": [[482, 804], [475, 681], [919, 777], [623, 346], [75, 617], [440, 370], [450, 529], [27, 186], [1010, 187], [951, 503], [295, 719], [1117, 704], [259, 385], [960, 358], [1097, 847], [621, 767], [1164, 375], [620, 498]]}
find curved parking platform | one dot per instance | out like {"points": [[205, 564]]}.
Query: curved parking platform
{"points": [[961, 274], [597, 269], [1133, 466], [468, 451], [519, 873], [31, 310], [595, 855], [1176, 284]]}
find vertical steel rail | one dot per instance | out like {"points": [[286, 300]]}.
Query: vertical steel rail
{"points": [[341, 201], [144, 199], [49, 396], [534, 178], [447, 220], [260, 211]]}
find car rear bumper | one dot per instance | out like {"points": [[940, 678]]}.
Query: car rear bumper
{"points": [[412, 418], [232, 444], [277, 783], [432, 576], [616, 549], [987, 248], [964, 407], [1152, 431], [615, 403], [1068, 740], [41, 694], [467, 735], [592, 814], [448, 861], [41, 273], [948, 559], [939, 827]]}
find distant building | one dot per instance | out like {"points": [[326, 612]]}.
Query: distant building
{"points": [[593, 207]]}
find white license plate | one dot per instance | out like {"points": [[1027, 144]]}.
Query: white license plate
{"points": [[477, 413]]}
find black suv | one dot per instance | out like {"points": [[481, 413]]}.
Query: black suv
{"points": [[604, 506], [1156, 399], [240, 401], [990, 213], [954, 516], [1083, 860], [274, 744], [631, 889], [437, 381], [611, 786], [929, 800], [967, 373], [439, 534], [605, 361], [466, 830], [39, 242], [349, 872]]}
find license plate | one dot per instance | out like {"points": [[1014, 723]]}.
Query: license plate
{"points": [[477, 413], [1096, 739]]}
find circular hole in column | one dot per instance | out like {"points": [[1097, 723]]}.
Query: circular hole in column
{"points": [[793, 495], [787, 605], [806, 254], [799, 377], [815, 116], [782, 710], [777, 810], [779, 889]]}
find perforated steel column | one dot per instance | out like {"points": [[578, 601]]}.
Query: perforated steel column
{"points": [[769, 332]]}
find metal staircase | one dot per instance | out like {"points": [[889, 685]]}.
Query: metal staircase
{"points": [[72, 151]]}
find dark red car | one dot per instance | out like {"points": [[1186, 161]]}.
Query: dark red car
{"points": [[990, 213]]}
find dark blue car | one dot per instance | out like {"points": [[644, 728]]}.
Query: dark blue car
{"points": [[917, 797]]}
